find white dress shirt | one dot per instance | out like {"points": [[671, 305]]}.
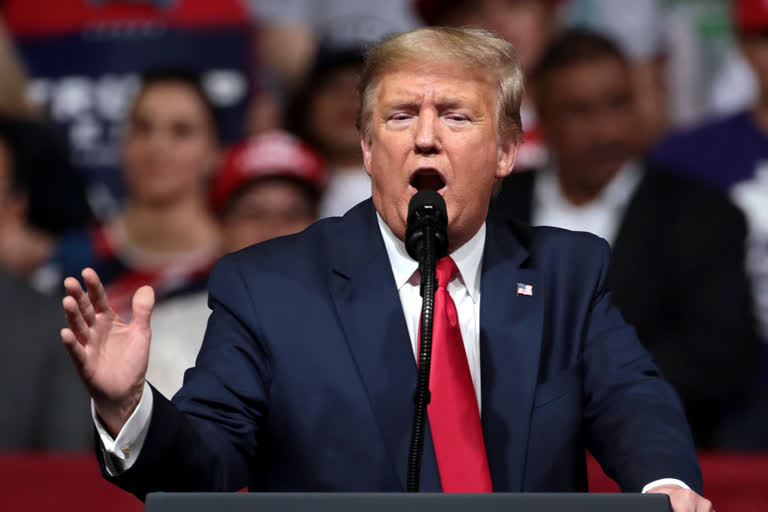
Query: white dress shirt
{"points": [[602, 216], [464, 289]]}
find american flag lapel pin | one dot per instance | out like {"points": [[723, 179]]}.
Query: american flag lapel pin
{"points": [[525, 289]]}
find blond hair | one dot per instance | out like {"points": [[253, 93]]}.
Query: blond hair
{"points": [[475, 49]]}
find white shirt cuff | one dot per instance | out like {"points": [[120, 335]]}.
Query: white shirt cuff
{"points": [[665, 481], [120, 453]]}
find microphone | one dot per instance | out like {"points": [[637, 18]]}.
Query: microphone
{"points": [[427, 221], [426, 240]]}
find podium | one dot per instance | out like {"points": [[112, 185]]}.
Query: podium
{"points": [[404, 502]]}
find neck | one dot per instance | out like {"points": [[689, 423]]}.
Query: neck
{"points": [[459, 237], [176, 227], [576, 193], [580, 192]]}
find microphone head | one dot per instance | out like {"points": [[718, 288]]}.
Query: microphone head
{"points": [[427, 208]]}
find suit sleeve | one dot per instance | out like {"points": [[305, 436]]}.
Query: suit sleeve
{"points": [[204, 439], [635, 424]]}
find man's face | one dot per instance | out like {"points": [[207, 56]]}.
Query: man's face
{"points": [[588, 117], [434, 126]]}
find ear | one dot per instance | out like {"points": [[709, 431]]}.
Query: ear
{"points": [[365, 144], [506, 156]]}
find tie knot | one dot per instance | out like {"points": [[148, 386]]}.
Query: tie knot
{"points": [[445, 270]]}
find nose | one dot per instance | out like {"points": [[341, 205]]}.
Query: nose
{"points": [[426, 138]]}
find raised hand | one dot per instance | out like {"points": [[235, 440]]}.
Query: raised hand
{"points": [[110, 355]]}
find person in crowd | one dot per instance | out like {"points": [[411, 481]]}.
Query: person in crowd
{"points": [[640, 28], [22, 246], [14, 101], [166, 235], [289, 31], [731, 153], [43, 406], [527, 24], [306, 374], [41, 403], [323, 114], [87, 98], [52, 200], [677, 271], [270, 185]]}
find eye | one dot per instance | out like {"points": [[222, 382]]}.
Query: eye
{"points": [[456, 117], [182, 130], [399, 116]]}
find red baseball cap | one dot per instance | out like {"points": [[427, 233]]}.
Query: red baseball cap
{"points": [[268, 155], [750, 15]]}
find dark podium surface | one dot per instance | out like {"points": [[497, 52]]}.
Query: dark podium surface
{"points": [[402, 502]]}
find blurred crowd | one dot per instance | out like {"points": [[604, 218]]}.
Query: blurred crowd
{"points": [[147, 138]]}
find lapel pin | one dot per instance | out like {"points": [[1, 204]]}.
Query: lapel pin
{"points": [[525, 289]]}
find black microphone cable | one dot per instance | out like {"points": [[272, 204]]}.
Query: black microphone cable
{"points": [[426, 241]]}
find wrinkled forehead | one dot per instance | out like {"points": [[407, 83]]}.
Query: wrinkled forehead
{"points": [[446, 79]]}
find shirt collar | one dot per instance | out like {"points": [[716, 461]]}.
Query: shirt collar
{"points": [[615, 194], [468, 259]]}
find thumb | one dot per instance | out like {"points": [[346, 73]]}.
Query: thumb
{"points": [[143, 302]]}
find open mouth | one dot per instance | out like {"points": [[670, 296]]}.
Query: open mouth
{"points": [[427, 178]]}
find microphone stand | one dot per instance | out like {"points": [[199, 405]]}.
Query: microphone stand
{"points": [[422, 395]]}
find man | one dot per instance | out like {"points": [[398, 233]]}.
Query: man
{"points": [[306, 375], [34, 215], [677, 270], [640, 28], [41, 406], [731, 153]]}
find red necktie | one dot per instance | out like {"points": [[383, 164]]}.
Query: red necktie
{"points": [[454, 417]]}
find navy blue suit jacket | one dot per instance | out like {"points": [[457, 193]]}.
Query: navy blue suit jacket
{"points": [[306, 375]]}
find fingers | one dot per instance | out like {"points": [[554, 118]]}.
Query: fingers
{"points": [[74, 290], [77, 325], [143, 302], [75, 349], [96, 293]]}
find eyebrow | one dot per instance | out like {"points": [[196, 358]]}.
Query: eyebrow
{"points": [[401, 105], [414, 105]]}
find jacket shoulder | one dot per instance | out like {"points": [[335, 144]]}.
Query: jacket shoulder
{"points": [[298, 252], [547, 242]]}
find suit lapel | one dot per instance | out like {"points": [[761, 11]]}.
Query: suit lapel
{"points": [[632, 237], [510, 343], [368, 304]]}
